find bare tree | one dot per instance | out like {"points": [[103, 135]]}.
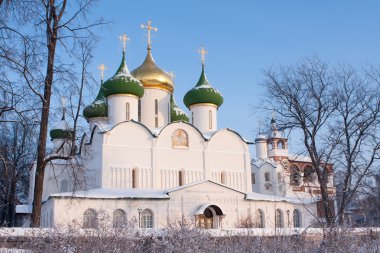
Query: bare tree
{"points": [[17, 151], [356, 125], [338, 113], [36, 48], [302, 96]]}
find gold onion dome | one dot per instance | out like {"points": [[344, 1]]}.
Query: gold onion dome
{"points": [[151, 76]]}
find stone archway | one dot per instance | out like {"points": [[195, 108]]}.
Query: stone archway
{"points": [[209, 216]]}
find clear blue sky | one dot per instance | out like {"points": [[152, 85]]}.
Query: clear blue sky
{"points": [[242, 39]]}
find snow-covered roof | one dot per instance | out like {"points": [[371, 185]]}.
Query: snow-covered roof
{"points": [[273, 198], [299, 158], [24, 208], [106, 193], [261, 161]]}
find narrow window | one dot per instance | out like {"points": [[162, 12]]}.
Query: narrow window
{"points": [[192, 117], [279, 219], [253, 178], [260, 222], [223, 177], [146, 219], [127, 116], [119, 218], [296, 218], [181, 177], [134, 178], [90, 219], [210, 119], [169, 113], [139, 110], [267, 176], [156, 113]]}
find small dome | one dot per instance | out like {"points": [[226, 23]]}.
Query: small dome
{"points": [[123, 82], [61, 130], [260, 137], [176, 113], [203, 92], [98, 108], [152, 76]]}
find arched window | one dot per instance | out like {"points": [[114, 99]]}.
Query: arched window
{"points": [[210, 119], [259, 219], [127, 113], [64, 186], [270, 146], [119, 218], [296, 218], [308, 174], [139, 110], [156, 113], [223, 177], [134, 178], [280, 145], [90, 218], [181, 177], [279, 219], [295, 176], [146, 219], [267, 176]]}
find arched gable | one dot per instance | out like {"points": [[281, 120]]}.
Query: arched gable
{"points": [[226, 140], [129, 133], [166, 137]]}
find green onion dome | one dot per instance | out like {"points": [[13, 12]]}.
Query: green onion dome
{"points": [[98, 108], [123, 82], [61, 130], [176, 113], [203, 92]]}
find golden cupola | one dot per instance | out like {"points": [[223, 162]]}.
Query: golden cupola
{"points": [[151, 76], [148, 73]]}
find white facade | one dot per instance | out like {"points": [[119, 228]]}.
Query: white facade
{"points": [[135, 162]]}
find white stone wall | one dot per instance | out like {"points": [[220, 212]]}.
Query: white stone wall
{"points": [[117, 108], [183, 202], [148, 113], [204, 117]]}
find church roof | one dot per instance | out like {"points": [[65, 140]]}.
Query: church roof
{"points": [[176, 113], [203, 92], [151, 76], [98, 108], [123, 82]]}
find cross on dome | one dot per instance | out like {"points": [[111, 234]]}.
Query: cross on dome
{"points": [[203, 53], [124, 38], [101, 68], [149, 28]]}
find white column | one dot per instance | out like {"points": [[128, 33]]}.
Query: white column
{"points": [[122, 107], [148, 108], [204, 117]]}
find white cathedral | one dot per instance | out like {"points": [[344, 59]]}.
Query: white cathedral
{"points": [[143, 159]]}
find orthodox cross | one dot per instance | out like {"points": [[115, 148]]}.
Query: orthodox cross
{"points": [[149, 27], [203, 52], [63, 99], [101, 68], [124, 38]]}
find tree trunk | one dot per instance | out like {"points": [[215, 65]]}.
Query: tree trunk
{"points": [[41, 149]]}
